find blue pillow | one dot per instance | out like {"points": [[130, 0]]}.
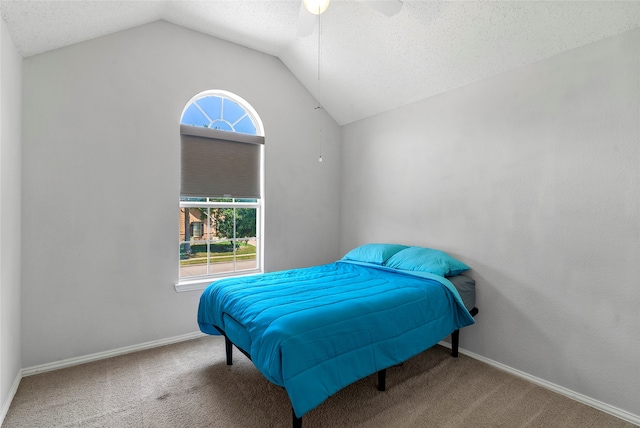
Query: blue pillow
{"points": [[426, 260], [373, 253]]}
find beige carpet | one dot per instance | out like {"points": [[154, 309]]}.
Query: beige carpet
{"points": [[189, 385]]}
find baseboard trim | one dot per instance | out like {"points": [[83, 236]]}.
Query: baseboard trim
{"points": [[9, 398], [69, 362], [607, 408]]}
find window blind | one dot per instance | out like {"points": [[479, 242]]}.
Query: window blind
{"points": [[219, 163]]}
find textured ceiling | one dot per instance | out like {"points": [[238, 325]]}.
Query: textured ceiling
{"points": [[369, 63]]}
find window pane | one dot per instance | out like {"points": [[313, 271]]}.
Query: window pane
{"points": [[190, 199], [191, 224], [192, 235], [210, 233], [193, 260], [245, 126], [246, 222], [246, 255], [181, 229], [193, 116], [221, 125], [221, 257], [197, 224], [232, 111], [212, 106], [198, 254], [223, 222]]}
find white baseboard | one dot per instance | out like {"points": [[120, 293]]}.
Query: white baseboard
{"points": [[9, 398], [107, 354], [607, 408]]}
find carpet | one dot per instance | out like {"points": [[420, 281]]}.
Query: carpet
{"points": [[188, 384]]}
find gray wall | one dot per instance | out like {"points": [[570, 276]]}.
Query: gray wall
{"points": [[532, 178], [101, 183], [10, 165]]}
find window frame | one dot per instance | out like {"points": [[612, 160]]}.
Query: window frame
{"points": [[199, 282]]}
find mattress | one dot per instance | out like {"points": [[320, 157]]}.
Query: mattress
{"points": [[466, 288]]}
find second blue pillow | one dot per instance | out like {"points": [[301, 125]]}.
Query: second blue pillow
{"points": [[426, 260]]}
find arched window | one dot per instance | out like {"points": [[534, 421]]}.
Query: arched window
{"points": [[222, 110], [221, 197]]}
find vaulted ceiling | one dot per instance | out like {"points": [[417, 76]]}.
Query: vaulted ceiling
{"points": [[369, 62]]}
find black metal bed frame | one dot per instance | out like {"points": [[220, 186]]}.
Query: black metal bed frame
{"points": [[382, 374]]}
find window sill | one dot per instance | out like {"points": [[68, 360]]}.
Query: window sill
{"points": [[202, 283]]}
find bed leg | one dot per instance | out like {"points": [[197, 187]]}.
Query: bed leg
{"points": [[297, 422], [382, 380], [228, 347], [455, 341]]}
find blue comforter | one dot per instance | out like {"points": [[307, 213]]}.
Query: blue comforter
{"points": [[316, 330]]}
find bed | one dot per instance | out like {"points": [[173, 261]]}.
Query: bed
{"points": [[315, 330]]}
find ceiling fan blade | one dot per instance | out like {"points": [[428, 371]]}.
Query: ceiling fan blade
{"points": [[386, 7], [306, 22]]}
